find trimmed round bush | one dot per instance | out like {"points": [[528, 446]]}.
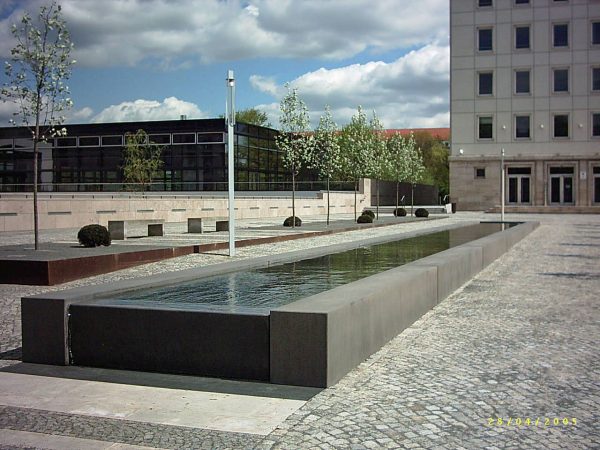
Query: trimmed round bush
{"points": [[93, 236], [364, 218], [288, 222], [399, 212], [421, 212], [368, 212]]}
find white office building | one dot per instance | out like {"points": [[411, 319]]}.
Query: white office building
{"points": [[525, 78]]}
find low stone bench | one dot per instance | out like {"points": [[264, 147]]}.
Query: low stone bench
{"points": [[195, 225], [118, 228]]}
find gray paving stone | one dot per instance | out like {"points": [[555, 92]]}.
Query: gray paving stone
{"points": [[518, 341]]}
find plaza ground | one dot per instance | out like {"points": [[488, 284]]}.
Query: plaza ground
{"points": [[518, 342]]}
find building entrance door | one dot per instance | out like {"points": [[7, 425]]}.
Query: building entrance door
{"points": [[561, 185], [519, 182]]}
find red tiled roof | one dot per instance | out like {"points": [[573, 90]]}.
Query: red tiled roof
{"points": [[443, 134]]}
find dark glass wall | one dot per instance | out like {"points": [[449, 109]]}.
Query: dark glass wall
{"points": [[90, 158]]}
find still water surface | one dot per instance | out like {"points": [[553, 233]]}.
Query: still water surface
{"points": [[279, 285]]}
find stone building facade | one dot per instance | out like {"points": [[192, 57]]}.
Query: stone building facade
{"points": [[525, 79]]}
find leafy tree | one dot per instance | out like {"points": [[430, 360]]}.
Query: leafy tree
{"points": [[294, 139], [356, 150], [435, 158], [398, 168], [142, 159], [380, 156], [415, 170], [253, 116], [40, 64], [325, 157]]}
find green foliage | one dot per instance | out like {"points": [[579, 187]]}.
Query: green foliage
{"points": [[356, 147], [435, 159], [40, 65], [142, 159], [400, 212], [364, 218], [368, 212], [421, 212], [93, 236], [253, 116], [325, 155], [288, 222], [294, 139]]}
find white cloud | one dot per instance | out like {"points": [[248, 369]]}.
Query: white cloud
{"points": [[79, 115], [117, 32], [409, 92], [170, 108]]}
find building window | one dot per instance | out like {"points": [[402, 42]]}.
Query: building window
{"points": [[595, 78], [484, 39], [595, 33], [522, 37], [560, 35], [521, 2], [561, 125], [596, 124], [479, 172], [522, 127], [560, 80], [522, 85], [484, 3], [486, 82], [485, 127]]}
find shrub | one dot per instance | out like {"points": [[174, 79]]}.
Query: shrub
{"points": [[364, 218], [368, 212], [93, 236], [421, 212], [399, 212], [288, 222]]}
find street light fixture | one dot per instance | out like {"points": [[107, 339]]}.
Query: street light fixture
{"points": [[230, 119]]}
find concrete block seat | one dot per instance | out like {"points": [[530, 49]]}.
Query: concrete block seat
{"points": [[118, 228]]}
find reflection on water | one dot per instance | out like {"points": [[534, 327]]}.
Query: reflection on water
{"points": [[279, 285]]}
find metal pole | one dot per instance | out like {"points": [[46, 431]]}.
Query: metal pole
{"points": [[230, 119], [502, 187]]}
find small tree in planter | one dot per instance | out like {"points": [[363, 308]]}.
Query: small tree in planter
{"points": [[325, 157], [414, 165], [380, 155], [356, 150], [397, 169], [294, 139]]}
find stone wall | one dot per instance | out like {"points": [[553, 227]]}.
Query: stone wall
{"points": [[61, 210]]}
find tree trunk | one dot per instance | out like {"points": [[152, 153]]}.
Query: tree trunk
{"points": [[377, 189], [355, 193], [36, 139], [397, 193], [412, 198], [36, 230], [293, 199], [327, 201]]}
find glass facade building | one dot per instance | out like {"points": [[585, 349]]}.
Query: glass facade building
{"points": [[90, 157]]}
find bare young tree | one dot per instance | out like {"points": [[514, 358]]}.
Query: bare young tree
{"points": [[40, 64]]}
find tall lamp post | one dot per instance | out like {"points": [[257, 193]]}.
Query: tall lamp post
{"points": [[502, 186], [230, 119]]}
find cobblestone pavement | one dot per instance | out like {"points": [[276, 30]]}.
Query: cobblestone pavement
{"points": [[518, 342]]}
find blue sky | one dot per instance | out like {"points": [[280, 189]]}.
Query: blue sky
{"points": [[158, 59]]}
